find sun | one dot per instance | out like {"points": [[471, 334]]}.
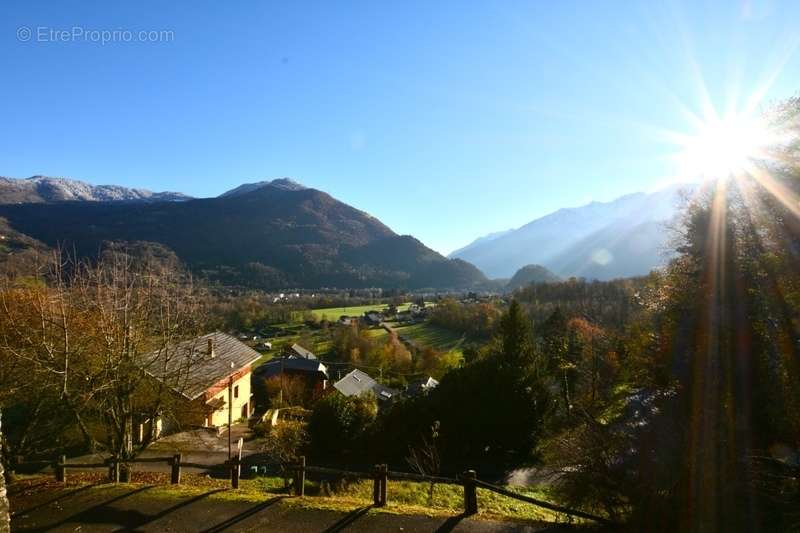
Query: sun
{"points": [[723, 147]]}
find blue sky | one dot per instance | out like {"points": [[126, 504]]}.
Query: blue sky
{"points": [[446, 120]]}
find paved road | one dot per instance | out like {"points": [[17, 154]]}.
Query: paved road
{"points": [[123, 508], [200, 446]]}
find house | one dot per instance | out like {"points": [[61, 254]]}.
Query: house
{"points": [[295, 350], [314, 375], [373, 318], [210, 375], [404, 317], [312, 370], [420, 387], [357, 382]]}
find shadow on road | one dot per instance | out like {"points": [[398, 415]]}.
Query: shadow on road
{"points": [[348, 519], [232, 521], [62, 496], [148, 519], [99, 513], [450, 523]]}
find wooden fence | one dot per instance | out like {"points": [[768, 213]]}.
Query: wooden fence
{"points": [[380, 474]]}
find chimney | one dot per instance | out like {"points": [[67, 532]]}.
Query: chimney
{"points": [[211, 347]]}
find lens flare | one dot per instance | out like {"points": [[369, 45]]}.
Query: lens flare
{"points": [[722, 148]]}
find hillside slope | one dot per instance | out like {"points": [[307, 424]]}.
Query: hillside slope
{"points": [[625, 237], [531, 274], [269, 237]]}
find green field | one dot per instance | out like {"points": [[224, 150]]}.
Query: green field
{"points": [[426, 334], [320, 344], [333, 313]]}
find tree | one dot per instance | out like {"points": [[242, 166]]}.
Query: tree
{"points": [[716, 390], [425, 457], [93, 335], [294, 389], [285, 441], [5, 509], [491, 410], [516, 336], [338, 425]]}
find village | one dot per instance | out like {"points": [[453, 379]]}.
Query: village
{"points": [[242, 384]]}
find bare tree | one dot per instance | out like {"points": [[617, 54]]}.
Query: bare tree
{"points": [[425, 458], [97, 334], [5, 511]]}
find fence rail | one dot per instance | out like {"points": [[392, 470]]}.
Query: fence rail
{"points": [[119, 471], [540, 503]]}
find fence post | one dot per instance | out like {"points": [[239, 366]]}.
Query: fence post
{"points": [[470, 494], [234, 464], [300, 477], [61, 469], [384, 476], [176, 469], [376, 486]]}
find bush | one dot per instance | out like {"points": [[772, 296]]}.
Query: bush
{"points": [[338, 425]]}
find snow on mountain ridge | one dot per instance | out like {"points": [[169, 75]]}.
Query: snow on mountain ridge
{"points": [[44, 189]]}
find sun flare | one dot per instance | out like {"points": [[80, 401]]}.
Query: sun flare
{"points": [[723, 147]]}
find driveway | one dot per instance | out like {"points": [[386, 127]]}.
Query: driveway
{"points": [[199, 446]]}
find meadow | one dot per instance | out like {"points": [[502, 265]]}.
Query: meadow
{"points": [[333, 313]]}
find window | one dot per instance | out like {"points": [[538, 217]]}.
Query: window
{"points": [[236, 391]]}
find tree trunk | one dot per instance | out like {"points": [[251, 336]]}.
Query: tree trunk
{"points": [[87, 436], [5, 510]]}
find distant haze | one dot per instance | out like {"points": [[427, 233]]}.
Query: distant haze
{"points": [[603, 240]]}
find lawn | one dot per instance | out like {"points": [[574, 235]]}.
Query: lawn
{"points": [[377, 334], [333, 313], [403, 497]]}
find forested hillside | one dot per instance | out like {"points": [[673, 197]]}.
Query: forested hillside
{"points": [[272, 236]]}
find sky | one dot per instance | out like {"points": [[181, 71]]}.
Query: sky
{"points": [[446, 120]]}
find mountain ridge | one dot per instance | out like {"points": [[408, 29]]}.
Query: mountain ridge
{"points": [[557, 240], [272, 236], [48, 189], [282, 183]]}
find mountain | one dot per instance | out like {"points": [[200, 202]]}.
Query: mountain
{"points": [[281, 183], [602, 240], [44, 189], [272, 236], [531, 274], [479, 241]]}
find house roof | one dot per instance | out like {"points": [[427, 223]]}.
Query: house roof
{"points": [[191, 370], [216, 403], [302, 352], [296, 364], [423, 385], [358, 382]]}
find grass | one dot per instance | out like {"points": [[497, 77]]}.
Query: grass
{"points": [[426, 334], [377, 334], [321, 344], [333, 313], [403, 497]]}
